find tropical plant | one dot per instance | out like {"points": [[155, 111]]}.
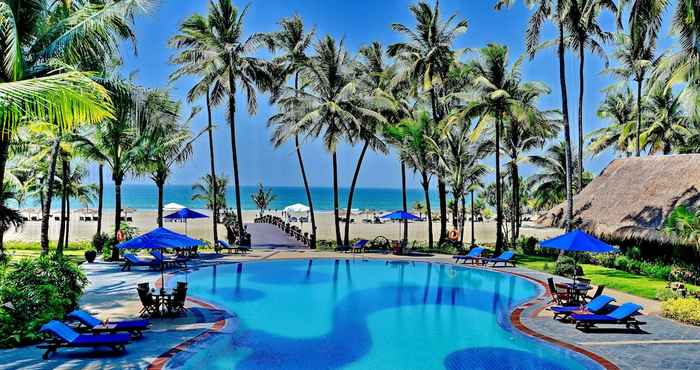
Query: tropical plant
{"points": [[206, 189], [419, 208], [618, 108], [9, 217], [666, 125], [684, 224], [263, 198], [425, 60], [584, 32], [293, 42], [74, 187]]}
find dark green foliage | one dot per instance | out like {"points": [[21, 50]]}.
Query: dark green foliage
{"points": [[34, 291], [565, 267], [98, 241]]}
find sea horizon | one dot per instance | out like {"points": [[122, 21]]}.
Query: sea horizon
{"points": [[145, 197]]}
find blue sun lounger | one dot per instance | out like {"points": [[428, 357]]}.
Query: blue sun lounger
{"points": [[473, 255], [61, 335], [505, 258], [179, 261], [623, 315], [595, 306], [131, 260], [133, 327], [359, 246]]}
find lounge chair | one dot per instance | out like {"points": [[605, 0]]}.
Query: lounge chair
{"points": [[221, 245], [131, 260], [505, 258], [62, 335], [598, 292], [596, 306], [179, 261], [133, 327], [359, 246], [623, 315], [473, 255]]}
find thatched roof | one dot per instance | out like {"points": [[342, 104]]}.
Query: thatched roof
{"points": [[633, 196]]}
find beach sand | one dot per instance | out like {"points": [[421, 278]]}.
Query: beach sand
{"points": [[201, 228]]}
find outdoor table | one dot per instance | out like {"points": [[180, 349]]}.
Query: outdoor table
{"points": [[578, 291], [163, 300]]}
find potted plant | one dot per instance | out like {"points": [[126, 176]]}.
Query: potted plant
{"points": [[90, 255]]}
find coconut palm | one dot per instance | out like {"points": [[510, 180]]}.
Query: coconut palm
{"points": [[584, 32], [666, 124], [74, 187], [9, 217], [263, 198], [208, 192], [426, 59], [293, 42], [494, 86], [83, 142], [548, 185], [332, 105], [556, 11], [618, 108], [413, 135]]}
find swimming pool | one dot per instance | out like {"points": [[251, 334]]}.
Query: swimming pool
{"points": [[368, 314]]}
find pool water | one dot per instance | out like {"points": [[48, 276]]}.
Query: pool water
{"points": [[359, 314]]}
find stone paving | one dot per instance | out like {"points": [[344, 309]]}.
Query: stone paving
{"points": [[663, 344]]}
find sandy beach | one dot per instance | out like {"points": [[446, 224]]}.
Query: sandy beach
{"points": [[201, 228]]}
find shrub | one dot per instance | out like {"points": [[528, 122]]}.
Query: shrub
{"points": [[99, 241], [527, 245], [35, 291], [655, 270], [634, 252], [565, 267], [685, 310], [665, 294], [627, 264]]}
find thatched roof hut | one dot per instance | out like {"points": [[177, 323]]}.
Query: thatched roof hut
{"points": [[633, 196]]}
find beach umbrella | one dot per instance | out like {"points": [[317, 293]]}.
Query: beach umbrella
{"points": [[160, 238], [577, 241], [173, 206], [298, 207], [400, 216], [185, 214]]}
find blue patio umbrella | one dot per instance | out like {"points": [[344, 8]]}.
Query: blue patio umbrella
{"points": [[577, 241], [185, 214], [400, 216]]}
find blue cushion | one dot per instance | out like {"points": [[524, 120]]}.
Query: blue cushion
{"points": [[60, 330], [84, 318], [625, 311], [102, 339], [132, 324], [595, 318], [598, 303]]}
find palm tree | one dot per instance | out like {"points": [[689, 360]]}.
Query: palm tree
{"points": [[217, 41], [212, 194], [73, 183], [618, 108], [666, 124], [263, 198], [585, 33], [556, 11], [167, 142], [494, 85], [635, 61], [293, 41], [332, 106], [413, 135], [548, 186], [83, 142], [426, 59], [9, 217]]}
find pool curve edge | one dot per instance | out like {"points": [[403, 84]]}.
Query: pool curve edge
{"points": [[161, 362]]}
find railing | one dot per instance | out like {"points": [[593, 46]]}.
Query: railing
{"points": [[289, 229]]}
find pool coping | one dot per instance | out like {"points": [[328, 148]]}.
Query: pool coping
{"points": [[161, 362]]}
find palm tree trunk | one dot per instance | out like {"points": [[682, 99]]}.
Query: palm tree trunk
{"points": [[442, 189], [48, 195], [429, 213], [405, 203], [515, 202], [100, 195], [212, 169], [667, 148], [336, 220], [639, 116], [4, 154], [117, 213], [67, 234], [582, 55], [234, 152], [303, 175], [471, 195], [499, 206], [160, 184], [352, 191], [461, 221], [567, 130], [64, 196]]}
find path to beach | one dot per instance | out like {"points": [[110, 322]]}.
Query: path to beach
{"points": [[270, 236]]}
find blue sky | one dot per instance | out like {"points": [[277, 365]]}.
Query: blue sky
{"points": [[359, 22]]}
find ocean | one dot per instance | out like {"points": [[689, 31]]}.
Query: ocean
{"points": [[145, 197]]}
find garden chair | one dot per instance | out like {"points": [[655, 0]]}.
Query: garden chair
{"points": [[505, 258], [598, 305], [560, 295], [473, 255], [623, 315], [151, 307], [177, 303], [134, 327]]}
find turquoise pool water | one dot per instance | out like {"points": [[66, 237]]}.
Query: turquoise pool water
{"points": [[359, 314]]}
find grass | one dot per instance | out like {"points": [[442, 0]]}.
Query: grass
{"points": [[22, 245], [76, 256], [642, 286]]}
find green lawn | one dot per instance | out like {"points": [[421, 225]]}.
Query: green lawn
{"points": [[74, 255], [642, 286]]}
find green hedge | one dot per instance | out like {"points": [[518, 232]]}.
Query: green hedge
{"points": [[34, 291]]}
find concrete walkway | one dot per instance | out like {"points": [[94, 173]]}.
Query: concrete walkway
{"points": [[271, 237]]}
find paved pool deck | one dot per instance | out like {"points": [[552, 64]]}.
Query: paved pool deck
{"points": [[663, 344]]}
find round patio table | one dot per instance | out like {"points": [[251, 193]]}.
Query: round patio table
{"points": [[578, 291]]}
